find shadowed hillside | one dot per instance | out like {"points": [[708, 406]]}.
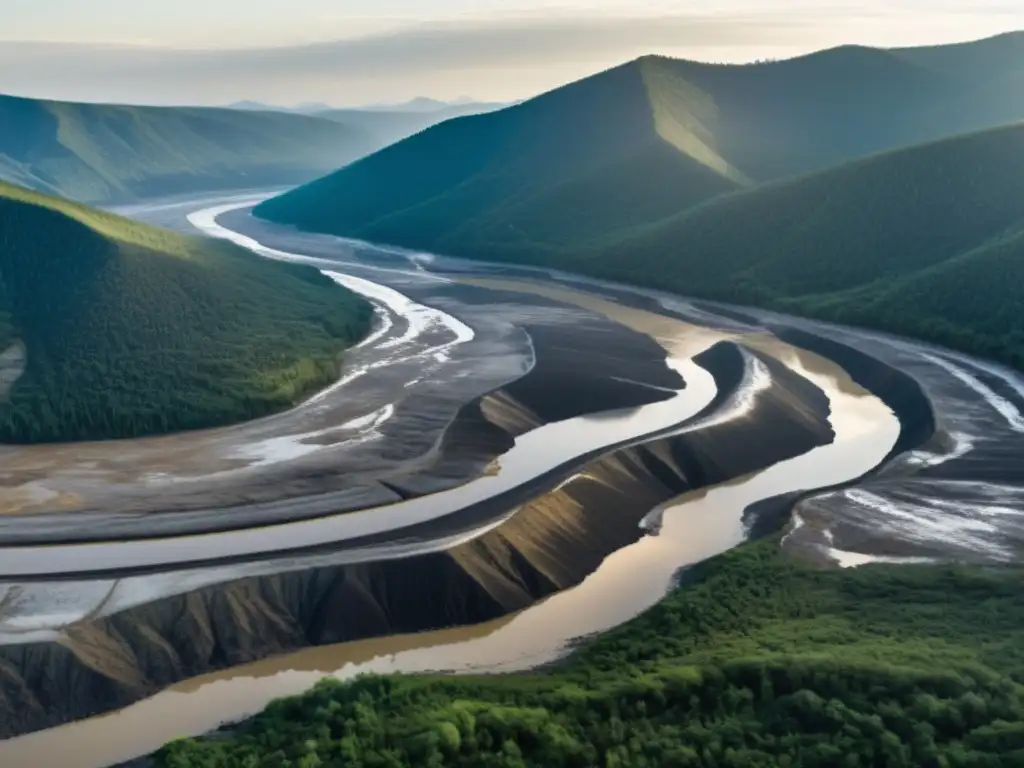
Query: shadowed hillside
{"points": [[926, 241], [100, 153], [648, 139], [111, 328], [526, 171]]}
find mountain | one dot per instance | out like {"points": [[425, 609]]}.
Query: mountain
{"points": [[106, 153], [974, 61], [643, 141], [419, 104], [388, 125], [425, 104], [306, 108], [311, 107], [111, 328], [255, 106], [554, 159], [926, 241]]}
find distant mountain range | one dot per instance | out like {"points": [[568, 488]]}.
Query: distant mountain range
{"points": [[387, 123], [419, 104], [424, 104], [111, 328], [105, 154], [387, 126], [309, 108], [736, 182]]}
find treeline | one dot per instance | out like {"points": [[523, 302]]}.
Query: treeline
{"points": [[123, 340], [754, 660]]}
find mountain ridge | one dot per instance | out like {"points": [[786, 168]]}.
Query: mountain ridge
{"points": [[114, 153], [462, 168], [454, 186]]}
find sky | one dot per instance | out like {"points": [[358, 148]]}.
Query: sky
{"points": [[352, 52]]}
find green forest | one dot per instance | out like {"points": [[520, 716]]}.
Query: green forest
{"points": [[540, 168], [129, 330], [753, 660], [104, 153]]}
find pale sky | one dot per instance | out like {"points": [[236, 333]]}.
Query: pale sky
{"points": [[348, 52]]}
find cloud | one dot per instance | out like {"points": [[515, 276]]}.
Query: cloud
{"points": [[508, 59], [436, 46]]}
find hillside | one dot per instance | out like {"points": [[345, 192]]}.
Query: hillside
{"points": [[539, 159], [102, 154], [111, 328], [926, 241], [643, 141], [753, 661]]}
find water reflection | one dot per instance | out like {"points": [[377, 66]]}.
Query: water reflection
{"points": [[694, 527]]}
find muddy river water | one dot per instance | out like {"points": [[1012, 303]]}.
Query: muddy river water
{"points": [[692, 528]]}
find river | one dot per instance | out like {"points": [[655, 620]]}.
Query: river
{"points": [[693, 527]]}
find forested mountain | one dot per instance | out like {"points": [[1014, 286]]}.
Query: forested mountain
{"points": [[111, 328], [99, 153], [754, 660], [556, 157], [645, 140]]}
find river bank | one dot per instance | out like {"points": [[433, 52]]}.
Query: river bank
{"points": [[754, 656], [582, 530], [735, 416]]}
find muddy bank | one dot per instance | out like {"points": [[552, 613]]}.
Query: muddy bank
{"points": [[567, 380], [898, 390], [327, 468], [551, 543]]}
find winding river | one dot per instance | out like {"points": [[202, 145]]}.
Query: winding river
{"points": [[955, 491], [692, 528]]}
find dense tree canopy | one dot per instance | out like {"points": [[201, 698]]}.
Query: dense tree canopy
{"points": [[926, 241], [128, 330], [753, 660]]}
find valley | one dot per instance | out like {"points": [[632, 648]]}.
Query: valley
{"points": [[850, 431], [117, 154]]}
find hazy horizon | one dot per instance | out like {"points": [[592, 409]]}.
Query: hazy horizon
{"points": [[353, 53]]}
